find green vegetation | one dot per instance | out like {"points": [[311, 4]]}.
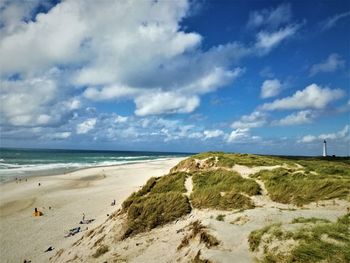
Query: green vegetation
{"points": [[154, 210], [220, 217], [325, 168], [196, 228], [320, 241], [216, 186], [313, 220], [222, 189], [288, 186], [169, 183], [197, 259], [158, 202], [100, 251], [224, 181], [255, 236], [228, 160]]}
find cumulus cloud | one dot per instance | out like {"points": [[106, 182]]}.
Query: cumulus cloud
{"points": [[121, 119], [165, 102], [296, 118], [36, 101], [333, 20], [208, 134], [254, 120], [313, 96], [241, 136], [107, 62], [270, 17], [270, 88], [331, 64], [342, 134], [86, 126]]}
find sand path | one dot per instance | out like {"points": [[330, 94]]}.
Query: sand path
{"points": [[189, 185]]}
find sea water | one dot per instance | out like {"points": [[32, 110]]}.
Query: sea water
{"points": [[20, 163]]}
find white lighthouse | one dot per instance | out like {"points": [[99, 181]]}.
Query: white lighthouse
{"points": [[324, 148]]}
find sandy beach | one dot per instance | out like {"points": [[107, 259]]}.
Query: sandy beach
{"points": [[88, 191]]}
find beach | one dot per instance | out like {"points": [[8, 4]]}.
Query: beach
{"points": [[88, 191]]}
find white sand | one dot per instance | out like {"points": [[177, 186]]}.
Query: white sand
{"points": [[88, 191]]}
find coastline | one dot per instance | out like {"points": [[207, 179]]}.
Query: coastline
{"points": [[64, 171], [88, 190]]}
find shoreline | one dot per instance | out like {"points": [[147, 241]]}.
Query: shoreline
{"points": [[73, 170], [89, 191]]}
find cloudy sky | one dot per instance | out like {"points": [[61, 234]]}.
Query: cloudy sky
{"points": [[244, 76]]}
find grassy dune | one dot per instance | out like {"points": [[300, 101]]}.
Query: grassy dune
{"points": [[217, 186], [158, 202], [302, 187], [222, 189], [311, 240]]}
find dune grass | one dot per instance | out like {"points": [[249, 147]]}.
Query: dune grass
{"points": [[312, 220], [220, 217], [222, 189], [197, 229], [288, 186], [255, 236], [174, 182], [170, 183], [154, 210], [100, 251], [326, 168], [224, 181], [227, 160], [320, 241], [158, 202]]}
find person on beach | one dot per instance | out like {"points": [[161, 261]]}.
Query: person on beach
{"points": [[37, 212]]}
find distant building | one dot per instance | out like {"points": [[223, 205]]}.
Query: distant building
{"points": [[324, 148]]}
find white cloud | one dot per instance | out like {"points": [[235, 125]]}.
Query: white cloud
{"points": [[36, 101], [270, 88], [241, 136], [296, 118], [272, 17], [238, 134], [86, 126], [105, 52], [342, 134], [312, 96], [254, 120], [268, 40], [165, 102], [121, 119], [331, 64], [332, 21], [208, 134]]}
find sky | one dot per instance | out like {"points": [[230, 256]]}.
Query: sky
{"points": [[266, 77]]}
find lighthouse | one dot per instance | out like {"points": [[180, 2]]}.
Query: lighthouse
{"points": [[324, 148]]}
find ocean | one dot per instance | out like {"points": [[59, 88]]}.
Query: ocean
{"points": [[34, 162]]}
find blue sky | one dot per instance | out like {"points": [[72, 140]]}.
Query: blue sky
{"points": [[241, 76]]}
